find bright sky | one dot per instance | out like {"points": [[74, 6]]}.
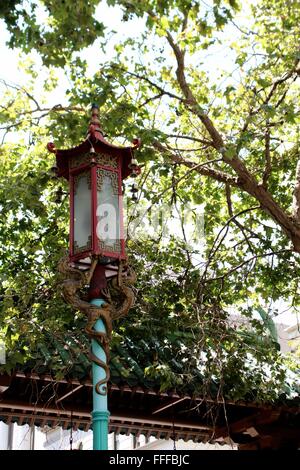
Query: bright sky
{"points": [[222, 57], [219, 57]]}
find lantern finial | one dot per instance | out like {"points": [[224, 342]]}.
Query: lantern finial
{"points": [[94, 126], [95, 116]]}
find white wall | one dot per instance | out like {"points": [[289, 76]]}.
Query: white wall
{"points": [[14, 437], [3, 436], [26, 438], [162, 444]]}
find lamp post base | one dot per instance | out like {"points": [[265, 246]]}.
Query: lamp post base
{"points": [[100, 429]]}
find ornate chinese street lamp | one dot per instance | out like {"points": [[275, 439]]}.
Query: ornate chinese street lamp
{"points": [[97, 259]]}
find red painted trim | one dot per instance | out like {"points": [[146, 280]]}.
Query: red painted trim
{"points": [[121, 217], [71, 234], [109, 168], [94, 209], [84, 254], [81, 255], [111, 254], [80, 169], [85, 146]]}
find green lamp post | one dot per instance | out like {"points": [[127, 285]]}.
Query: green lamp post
{"points": [[95, 170]]}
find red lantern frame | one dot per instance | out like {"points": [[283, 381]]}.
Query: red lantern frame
{"points": [[92, 155]]}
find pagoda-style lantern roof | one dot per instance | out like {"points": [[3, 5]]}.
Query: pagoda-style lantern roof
{"points": [[94, 142]]}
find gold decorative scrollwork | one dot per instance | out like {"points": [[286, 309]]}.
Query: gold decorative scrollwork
{"points": [[101, 159], [114, 248], [101, 174], [86, 247], [77, 178], [107, 160], [83, 159], [74, 280]]}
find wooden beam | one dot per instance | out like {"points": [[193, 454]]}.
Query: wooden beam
{"points": [[69, 393], [33, 417], [262, 417], [249, 446], [115, 416], [283, 435], [161, 421], [168, 405], [264, 442], [5, 381], [43, 421], [9, 419], [45, 410], [22, 417]]}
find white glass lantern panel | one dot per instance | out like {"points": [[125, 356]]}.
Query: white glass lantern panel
{"points": [[82, 212], [108, 211]]}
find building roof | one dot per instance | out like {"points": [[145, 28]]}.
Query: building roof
{"points": [[137, 402]]}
